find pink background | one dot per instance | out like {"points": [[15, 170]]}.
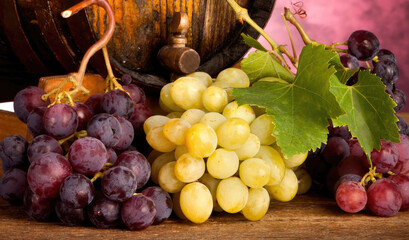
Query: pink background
{"points": [[331, 21]]}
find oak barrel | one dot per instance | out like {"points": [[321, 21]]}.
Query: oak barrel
{"points": [[46, 44]]}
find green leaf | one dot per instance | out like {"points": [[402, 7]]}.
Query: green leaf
{"points": [[370, 115], [301, 109], [262, 64], [342, 73], [251, 42]]}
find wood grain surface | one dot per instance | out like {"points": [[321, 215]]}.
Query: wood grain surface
{"points": [[310, 216]]}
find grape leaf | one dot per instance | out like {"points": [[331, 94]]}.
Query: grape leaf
{"points": [[342, 73], [262, 64], [251, 42], [301, 109], [370, 115]]}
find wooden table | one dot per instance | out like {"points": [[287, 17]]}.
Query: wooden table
{"points": [[305, 217]]}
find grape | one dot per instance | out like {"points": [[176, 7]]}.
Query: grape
{"points": [[127, 135], [189, 168], [354, 79], [349, 61], [402, 125], [341, 131], [27, 100], [236, 77], [335, 150], [112, 156], [119, 183], [295, 160], [94, 103], [154, 121], [385, 54], [402, 166], [222, 163], [138, 212], [351, 197], [317, 167], [364, 45], [304, 180], [167, 179], [263, 128], [176, 206], [187, 92], [196, 202], [140, 114], [162, 200], [351, 165], [385, 159], [175, 129], [46, 173], [287, 189], [384, 198], [70, 216], [13, 184], [77, 191], [214, 99], [158, 141], [179, 151], [213, 119], [402, 181], [202, 76], [60, 120], [399, 98], [257, 204], [211, 183], [192, 116], [245, 112], [43, 144], [165, 100], [254, 172], [103, 212], [158, 163], [274, 160], [174, 115], [137, 94], [387, 70], [356, 150], [137, 162], [249, 148], [13, 152], [38, 208], [84, 115], [117, 102], [106, 128], [346, 178], [232, 194], [233, 133], [87, 155], [35, 121], [201, 140]]}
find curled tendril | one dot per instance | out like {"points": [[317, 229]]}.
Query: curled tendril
{"points": [[298, 9]]}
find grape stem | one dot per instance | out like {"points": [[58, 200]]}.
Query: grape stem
{"points": [[372, 175], [79, 134], [101, 173]]}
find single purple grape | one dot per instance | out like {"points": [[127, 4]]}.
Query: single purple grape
{"points": [[84, 115], [335, 150], [27, 100], [94, 103], [387, 70], [77, 191], [35, 121], [60, 120], [351, 196], [38, 208], [137, 93], [402, 181], [138, 212], [127, 135], [87, 155], [104, 213], [384, 198], [140, 114], [119, 183], [363, 44], [349, 61], [138, 163], [386, 158], [13, 152], [117, 102], [43, 144], [162, 200], [106, 128], [13, 184], [70, 216]]}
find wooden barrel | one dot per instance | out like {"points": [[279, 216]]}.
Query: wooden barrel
{"points": [[46, 44]]}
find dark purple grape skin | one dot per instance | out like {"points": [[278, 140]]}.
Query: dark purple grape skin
{"points": [[60, 120], [402, 166], [13, 184], [94, 103], [387, 70], [13, 152], [349, 61], [384, 198], [38, 208], [399, 98], [77, 191], [345, 178], [335, 150], [43, 144], [27, 100], [351, 196], [46, 174], [106, 128], [87, 155], [104, 213], [163, 203], [119, 183], [138, 212], [351, 165], [137, 93], [386, 158], [402, 181], [127, 135], [402, 125], [341, 131], [317, 167], [141, 113], [117, 102], [126, 79], [35, 121], [138, 163], [385, 54], [112, 156], [332, 178], [363, 44], [84, 115], [70, 216]]}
